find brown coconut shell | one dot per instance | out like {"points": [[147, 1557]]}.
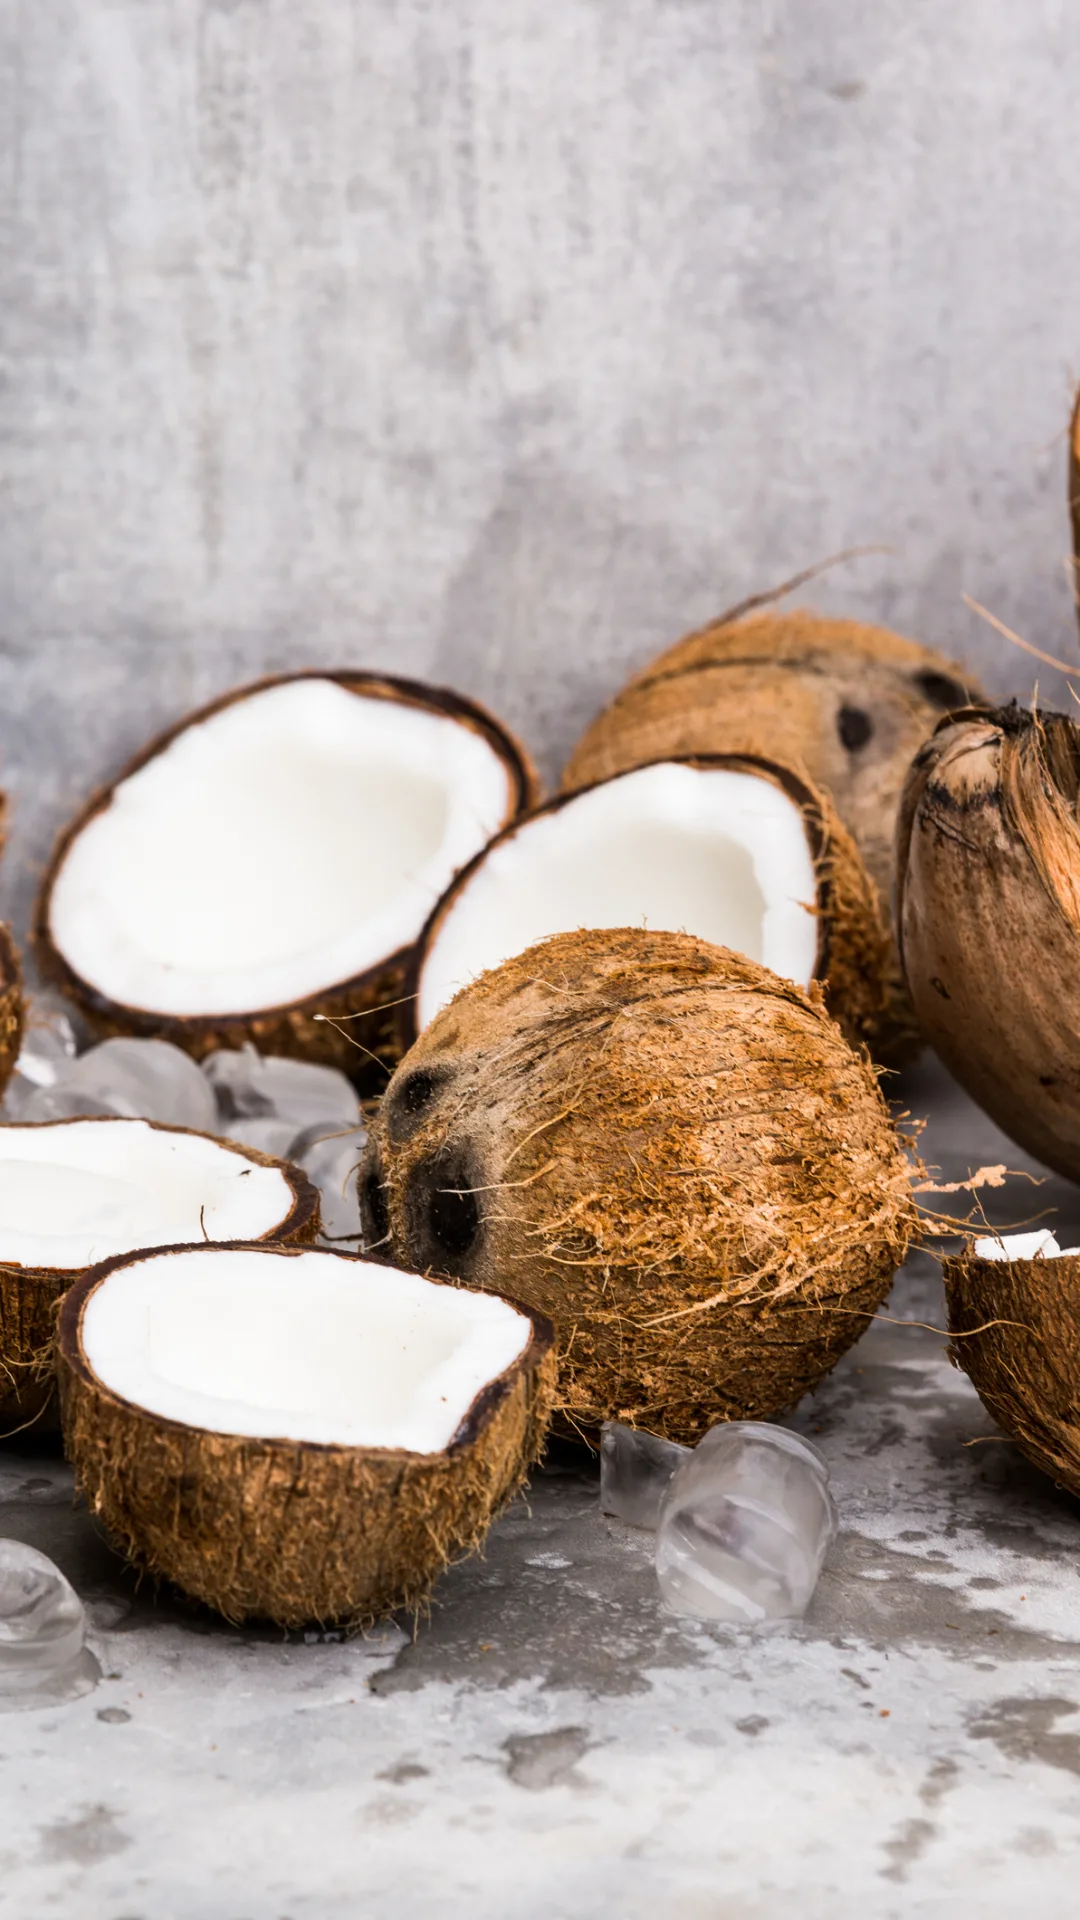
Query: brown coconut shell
{"points": [[664, 1147], [29, 1295], [988, 917], [290, 1531], [12, 1006], [303, 1029], [1074, 498], [846, 704], [852, 963], [1015, 1327]]}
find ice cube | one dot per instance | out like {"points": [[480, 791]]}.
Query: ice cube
{"points": [[330, 1156], [635, 1468], [267, 1132], [745, 1525], [251, 1086], [141, 1079], [42, 1631], [48, 1047]]}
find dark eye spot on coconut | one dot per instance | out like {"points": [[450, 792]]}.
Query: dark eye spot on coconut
{"points": [[854, 727], [374, 1206], [443, 1211], [412, 1099], [454, 1218], [941, 690], [940, 987]]}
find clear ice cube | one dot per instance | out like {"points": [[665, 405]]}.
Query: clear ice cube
{"points": [[249, 1085], [745, 1525], [140, 1079], [330, 1156], [48, 1048], [635, 1469], [42, 1631]]}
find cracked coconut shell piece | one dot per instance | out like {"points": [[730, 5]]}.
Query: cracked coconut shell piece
{"points": [[293, 1530], [988, 917], [29, 1294], [852, 953], [1015, 1332], [175, 978], [664, 1147]]}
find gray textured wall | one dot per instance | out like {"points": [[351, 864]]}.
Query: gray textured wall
{"points": [[501, 343]]}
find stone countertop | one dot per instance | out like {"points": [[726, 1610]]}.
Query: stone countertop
{"points": [[553, 1745]]}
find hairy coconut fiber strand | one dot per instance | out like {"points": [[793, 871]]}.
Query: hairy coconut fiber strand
{"points": [[1015, 1327], [664, 1147], [287, 1530], [988, 917], [11, 1005]]}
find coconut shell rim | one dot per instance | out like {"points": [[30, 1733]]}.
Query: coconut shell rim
{"points": [[305, 1194], [810, 802], [477, 1416], [524, 784]]}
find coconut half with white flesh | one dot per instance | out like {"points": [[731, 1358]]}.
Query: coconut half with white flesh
{"points": [[297, 1435], [273, 858], [736, 850], [75, 1192]]}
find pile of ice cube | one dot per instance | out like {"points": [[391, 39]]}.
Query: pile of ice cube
{"points": [[292, 1109], [743, 1520]]}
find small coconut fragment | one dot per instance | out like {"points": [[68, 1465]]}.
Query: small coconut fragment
{"points": [[273, 859], [988, 917], [74, 1192], [1015, 1331], [664, 1147], [735, 849], [296, 1435]]}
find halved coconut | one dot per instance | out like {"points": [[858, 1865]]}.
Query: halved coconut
{"points": [[1014, 1318], [297, 1436], [739, 851], [274, 857], [12, 1008], [665, 1147], [988, 917], [74, 1192]]}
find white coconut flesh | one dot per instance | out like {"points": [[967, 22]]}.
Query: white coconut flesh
{"points": [[84, 1190], [310, 1347], [1023, 1246], [288, 842], [701, 850]]}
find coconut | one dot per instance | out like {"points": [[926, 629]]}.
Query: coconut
{"points": [[74, 1192], [664, 1147], [735, 849], [12, 1010], [1014, 1317], [988, 917], [1074, 497], [324, 1435], [272, 859]]}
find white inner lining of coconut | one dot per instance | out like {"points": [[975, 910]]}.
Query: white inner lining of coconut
{"points": [[1023, 1246], [84, 1190], [707, 851], [286, 843], [311, 1347]]}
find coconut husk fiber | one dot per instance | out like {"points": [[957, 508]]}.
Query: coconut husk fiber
{"points": [[665, 1148], [1015, 1327], [289, 1531], [853, 953], [988, 917], [12, 1011], [1074, 498], [29, 1296], [846, 704]]}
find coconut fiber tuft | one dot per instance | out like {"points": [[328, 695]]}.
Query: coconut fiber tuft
{"points": [[668, 1150]]}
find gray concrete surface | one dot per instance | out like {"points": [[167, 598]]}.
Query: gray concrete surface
{"points": [[553, 1745], [502, 344]]}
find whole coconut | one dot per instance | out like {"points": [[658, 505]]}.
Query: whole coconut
{"points": [[667, 1149], [988, 917]]}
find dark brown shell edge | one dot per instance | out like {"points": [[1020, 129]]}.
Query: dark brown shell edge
{"points": [[367, 1047], [12, 1005], [29, 1296], [290, 1531]]}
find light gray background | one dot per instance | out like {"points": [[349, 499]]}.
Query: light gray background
{"points": [[500, 344]]}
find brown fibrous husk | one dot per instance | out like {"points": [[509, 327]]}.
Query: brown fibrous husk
{"points": [[667, 1149], [29, 1296], [288, 1531], [12, 1006], [988, 917], [853, 952], [844, 703], [1015, 1327], [349, 1024]]}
